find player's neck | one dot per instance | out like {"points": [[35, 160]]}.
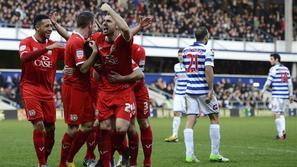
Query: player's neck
{"points": [[39, 38], [112, 37], [83, 33]]}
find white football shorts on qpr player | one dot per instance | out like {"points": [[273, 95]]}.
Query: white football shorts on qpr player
{"points": [[198, 104], [179, 103], [279, 104]]}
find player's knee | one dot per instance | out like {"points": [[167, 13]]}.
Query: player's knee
{"points": [[87, 127], [39, 126], [105, 125], [49, 126], [143, 123], [177, 114], [72, 130]]}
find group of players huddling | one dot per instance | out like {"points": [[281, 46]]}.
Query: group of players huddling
{"points": [[103, 89]]}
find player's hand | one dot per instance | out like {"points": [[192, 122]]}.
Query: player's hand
{"points": [[105, 7], [97, 67], [93, 45], [68, 71], [145, 22], [55, 45], [54, 17], [291, 99], [114, 77], [209, 96]]}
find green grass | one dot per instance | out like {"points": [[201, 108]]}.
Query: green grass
{"points": [[246, 141]]}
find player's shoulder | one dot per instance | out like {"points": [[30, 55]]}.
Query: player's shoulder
{"points": [[27, 40], [96, 35]]}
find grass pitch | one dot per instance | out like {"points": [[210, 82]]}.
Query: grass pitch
{"points": [[246, 141]]}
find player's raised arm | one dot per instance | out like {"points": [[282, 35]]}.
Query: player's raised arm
{"points": [[61, 30], [120, 22], [143, 22]]}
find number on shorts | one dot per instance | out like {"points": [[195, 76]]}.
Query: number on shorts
{"points": [[129, 107], [145, 107]]}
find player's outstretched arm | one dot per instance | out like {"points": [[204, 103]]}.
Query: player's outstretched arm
{"points": [[85, 67], [120, 22], [27, 55], [143, 22], [61, 30], [134, 76]]}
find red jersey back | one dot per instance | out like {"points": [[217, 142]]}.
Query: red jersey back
{"points": [[115, 56], [75, 56], [38, 75], [138, 55]]}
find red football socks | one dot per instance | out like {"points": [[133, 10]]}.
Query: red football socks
{"points": [[77, 143], [66, 145], [91, 145], [104, 147], [39, 144], [147, 144], [133, 147], [49, 142]]}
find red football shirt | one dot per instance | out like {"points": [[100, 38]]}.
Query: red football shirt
{"points": [[115, 56], [38, 75], [138, 55], [75, 56]]}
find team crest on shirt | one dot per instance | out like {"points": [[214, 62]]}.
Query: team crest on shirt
{"points": [[73, 117], [31, 113], [22, 47], [79, 53]]}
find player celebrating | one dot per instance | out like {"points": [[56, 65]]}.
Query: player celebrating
{"points": [[179, 103], [143, 110], [39, 57], [279, 79], [78, 108], [116, 102], [199, 62]]}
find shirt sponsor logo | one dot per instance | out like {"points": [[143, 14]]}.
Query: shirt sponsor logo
{"points": [[44, 61], [79, 54], [73, 117]]}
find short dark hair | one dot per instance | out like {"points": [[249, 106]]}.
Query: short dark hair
{"points": [[84, 19], [38, 19], [180, 50], [200, 33], [276, 56]]}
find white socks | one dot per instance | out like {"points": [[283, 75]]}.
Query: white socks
{"points": [[189, 141], [282, 117], [280, 124], [175, 125], [214, 133]]}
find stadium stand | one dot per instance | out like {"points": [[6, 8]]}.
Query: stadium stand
{"points": [[227, 19]]}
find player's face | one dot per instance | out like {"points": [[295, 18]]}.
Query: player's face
{"points": [[273, 61], [180, 57], [108, 25], [45, 28], [91, 28], [206, 38]]}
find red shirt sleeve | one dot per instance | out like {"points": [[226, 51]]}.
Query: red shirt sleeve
{"points": [[26, 53], [61, 53], [78, 52]]}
